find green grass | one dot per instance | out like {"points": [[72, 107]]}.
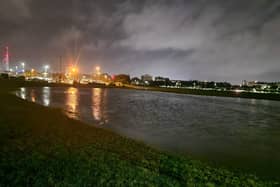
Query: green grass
{"points": [[42, 147]]}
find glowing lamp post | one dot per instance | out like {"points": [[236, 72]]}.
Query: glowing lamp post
{"points": [[74, 73], [74, 70], [98, 69], [23, 67], [46, 68], [32, 72], [16, 70]]}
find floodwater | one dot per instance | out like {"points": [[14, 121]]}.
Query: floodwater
{"points": [[232, 132]]}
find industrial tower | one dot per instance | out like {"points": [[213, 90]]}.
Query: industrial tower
{"points": [[6, 60]]}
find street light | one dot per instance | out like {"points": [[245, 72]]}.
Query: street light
{"points": [[74, 73], [23, 66], [74, 70], [97, 68], [16, 70], [46, 67]]}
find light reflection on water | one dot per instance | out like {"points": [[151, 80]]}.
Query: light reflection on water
{"points": [[72, 101], [75, 110], [46, 96], [22, 93], [96, 103], [239, 132], [33, 96], [98, 106]]}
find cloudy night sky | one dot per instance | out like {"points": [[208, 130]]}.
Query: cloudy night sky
{"points": [[183, 39]]}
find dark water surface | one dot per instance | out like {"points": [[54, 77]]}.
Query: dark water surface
{"points": [[239, 133]]}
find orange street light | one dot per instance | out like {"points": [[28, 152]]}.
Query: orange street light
{"points": [[74, 70], [97, 68]]}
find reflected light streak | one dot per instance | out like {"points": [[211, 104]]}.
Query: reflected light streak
{"points": [[96, 103], [33, 96], [46, 96], [23, 93], [72, 101], [253, 101]]}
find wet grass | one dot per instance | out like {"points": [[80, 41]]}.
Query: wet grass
{"points": [[42, 147]]}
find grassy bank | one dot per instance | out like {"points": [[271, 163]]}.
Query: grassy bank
{"points": [[249, 95], [40, 146]]}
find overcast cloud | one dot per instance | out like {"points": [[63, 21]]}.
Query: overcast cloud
{"points": [[183, 39]]}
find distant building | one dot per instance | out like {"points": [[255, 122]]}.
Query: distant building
{"points": [[85, 79], [122, 78], [135, 81], [106, 77], [178, 84], [161, 79], [244, 83], [31, 74], [146, 77], [252, 83], [259, 85]]}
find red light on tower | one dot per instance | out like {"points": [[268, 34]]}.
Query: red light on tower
{"points": [[113, 77], [6, 59]]}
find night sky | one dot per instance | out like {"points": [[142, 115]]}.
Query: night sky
{"points": [[221, 40]]}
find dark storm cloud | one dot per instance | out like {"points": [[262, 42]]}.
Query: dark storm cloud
{"points": [[14, 9], [184, 39], [233, 40]]}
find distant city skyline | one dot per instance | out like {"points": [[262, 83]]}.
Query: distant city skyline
{"points": [[182, 39], [22, 67]]}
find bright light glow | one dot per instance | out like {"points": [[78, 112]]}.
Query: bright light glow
{"points": [[46, 96], [46, 67], [74, 70], [23, 64], [23, 93], [72, 101], [238, 91], [96, 103], [33, 96], [97, 68]]}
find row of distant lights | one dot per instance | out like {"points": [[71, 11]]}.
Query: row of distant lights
{"points": [[22, 64], [46, 67]]}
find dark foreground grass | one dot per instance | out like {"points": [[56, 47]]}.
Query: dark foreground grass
{"points": [[41, 147]]}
